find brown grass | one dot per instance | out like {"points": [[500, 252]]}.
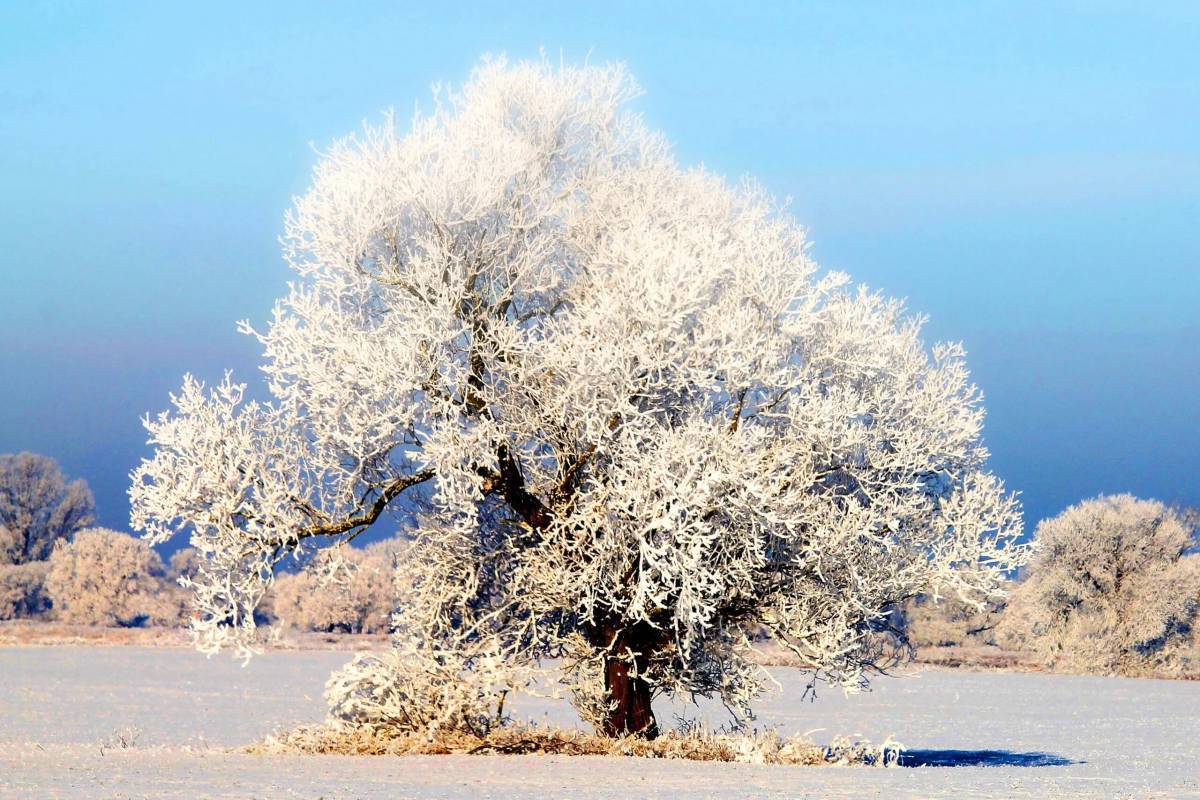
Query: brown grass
{"points": [[986, 657], [980, 657], [969, 657], [42, 633], [757, 748], [39, 633], [36, 633]]}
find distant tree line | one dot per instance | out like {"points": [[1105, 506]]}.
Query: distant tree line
{"points": [[55, 565], [1114, 587]]}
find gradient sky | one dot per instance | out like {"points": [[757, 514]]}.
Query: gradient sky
{"points": [[1027, 175]]}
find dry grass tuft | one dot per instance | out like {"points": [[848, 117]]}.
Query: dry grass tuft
{"points": [[42, 633], [757, 748]]}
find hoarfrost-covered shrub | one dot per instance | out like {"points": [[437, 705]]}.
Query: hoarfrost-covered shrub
{"points": [[103, 577], [185, 563], [618, 401], [950, 622], [345, 590], [412, 687], [22, 590], [1114, 588], [38, 507]]}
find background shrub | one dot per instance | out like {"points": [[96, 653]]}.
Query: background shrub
{"points": [[950, 622], [185, 563], [347, 589], [22, 590], [1114, 588], [103, 577]]}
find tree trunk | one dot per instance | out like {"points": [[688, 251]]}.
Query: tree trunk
{"points": [[631, 714], [630, 694]]}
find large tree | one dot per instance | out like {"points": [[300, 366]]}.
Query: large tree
{"points": [[630, 423], [38, 507]]}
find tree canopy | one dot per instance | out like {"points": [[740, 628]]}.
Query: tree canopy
{"points": [[38, 507]]}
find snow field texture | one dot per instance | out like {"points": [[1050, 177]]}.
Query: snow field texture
{"points": [[165, 722]]}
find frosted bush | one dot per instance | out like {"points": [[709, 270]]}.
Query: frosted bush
{"points": [[103, 577], [22, 590], [418, 689], [185, 563], [345, 589], [1114, 588], [38, 507], [950, 622], [620, 406]]}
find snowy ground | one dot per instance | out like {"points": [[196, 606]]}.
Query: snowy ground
{"points": [[67, 716]]}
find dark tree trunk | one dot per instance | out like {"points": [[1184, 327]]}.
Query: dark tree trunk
{"points": [[630, 694], [631, 714]]}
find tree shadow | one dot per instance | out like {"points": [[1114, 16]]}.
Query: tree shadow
{"points": [[980, 758]]}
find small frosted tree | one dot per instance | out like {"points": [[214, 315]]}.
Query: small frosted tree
{"points": [[1114, 588], [631, 424], [38, 507]]}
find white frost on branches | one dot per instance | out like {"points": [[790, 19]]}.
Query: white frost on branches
{"points": [[634, 421]]}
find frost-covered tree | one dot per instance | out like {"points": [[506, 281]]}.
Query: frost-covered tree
{"points": [[630, 421], [1114, 588], [38, 507], [105, 577]]}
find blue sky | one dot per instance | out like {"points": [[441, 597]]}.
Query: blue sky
{"points": [[1027, 175]]}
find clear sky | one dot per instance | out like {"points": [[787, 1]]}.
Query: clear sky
{"points": [[1026, 174]]}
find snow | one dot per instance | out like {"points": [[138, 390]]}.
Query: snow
{"points": [[63, 710]]}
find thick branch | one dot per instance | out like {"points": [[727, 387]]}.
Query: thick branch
{"points": [[510, 485], [372, 512], [737, 414]]}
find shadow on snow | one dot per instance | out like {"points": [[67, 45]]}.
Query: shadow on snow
{"points": [[980, 758]]}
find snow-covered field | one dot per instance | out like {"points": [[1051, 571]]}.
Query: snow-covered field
{"points": [[123, 722]]}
